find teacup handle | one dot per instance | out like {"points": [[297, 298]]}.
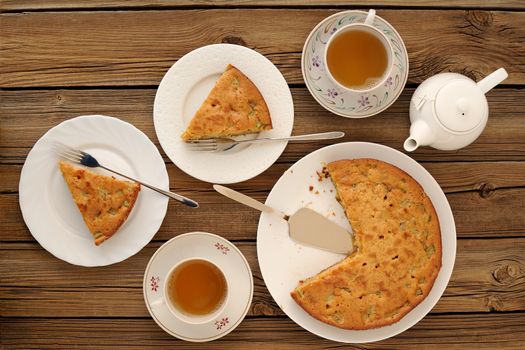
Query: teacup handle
{"points": [[370, 17], [157, 303]]}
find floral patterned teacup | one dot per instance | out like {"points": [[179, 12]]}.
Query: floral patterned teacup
{"points": [[368, 27], [341, 100]]}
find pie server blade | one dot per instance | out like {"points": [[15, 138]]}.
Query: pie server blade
{"points": [[311, 228], [306, 226]]}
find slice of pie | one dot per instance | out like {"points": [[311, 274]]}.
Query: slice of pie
{"points": [[104, 201], [233, 107], [398, 257]]}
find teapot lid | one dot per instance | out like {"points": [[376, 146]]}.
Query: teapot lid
{"points": [[460, 105]]}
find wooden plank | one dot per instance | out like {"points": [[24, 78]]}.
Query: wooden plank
{"points": [[482, 177], [489, 213], [495, 331], [488, 276], [31, 5], [74, 48], [472, 210], [26, 115], [75, 291]]}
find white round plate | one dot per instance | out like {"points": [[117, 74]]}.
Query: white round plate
{"points": [[50, 212], [222, 253], [345, 103], [283, 262], [187, 84]]}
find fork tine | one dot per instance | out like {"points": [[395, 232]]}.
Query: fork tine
{"points": [[203, 149], [197, 147], [71, 154], [74, 160], [70, 157], [67, 152], [200, 145], [202, 142]]}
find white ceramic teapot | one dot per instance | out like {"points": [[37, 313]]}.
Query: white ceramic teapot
{"points": [[449, 111]]}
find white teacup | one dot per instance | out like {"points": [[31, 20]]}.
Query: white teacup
{"points": [[211, 319], [366, 26], [186, 317]]}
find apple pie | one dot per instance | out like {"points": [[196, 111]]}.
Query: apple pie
{"points": [[233, 107], [103, 201], [398, 255]]}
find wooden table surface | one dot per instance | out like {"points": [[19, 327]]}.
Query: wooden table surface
{"points": [[60, 59]]}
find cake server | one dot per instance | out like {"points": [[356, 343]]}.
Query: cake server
{"points": [[305, 226]]}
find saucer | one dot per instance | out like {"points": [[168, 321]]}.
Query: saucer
{"points": [[187, 84], [222, 253], [345, 103]]}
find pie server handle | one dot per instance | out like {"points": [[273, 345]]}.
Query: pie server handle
{"points": [[249, 201]]}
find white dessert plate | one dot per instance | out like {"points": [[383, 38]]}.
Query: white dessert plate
{"points": [[283, 262], [50, 212], [345, 103], [223, 254], [187, 84]]}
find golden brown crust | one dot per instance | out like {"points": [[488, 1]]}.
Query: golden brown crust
{"points": [[398, 257], [103, 201], [233, 107]]}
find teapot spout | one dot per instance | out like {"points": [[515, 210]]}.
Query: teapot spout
{"points": [[420, 135], [490, 81]]}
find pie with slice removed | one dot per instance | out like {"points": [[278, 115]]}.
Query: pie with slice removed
{"points": [[398, 255], [103, 201], [233, 107]]}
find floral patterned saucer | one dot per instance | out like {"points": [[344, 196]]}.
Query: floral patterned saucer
{"points": [[345, 103], [226, 256]]}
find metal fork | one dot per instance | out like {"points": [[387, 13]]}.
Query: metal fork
{"points": [[81, 157], [224, 144]]}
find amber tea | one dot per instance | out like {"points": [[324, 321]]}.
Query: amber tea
{"points": [[357, 59], [197, 287]]}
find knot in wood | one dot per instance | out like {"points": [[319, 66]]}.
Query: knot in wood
{"points": [[264, 309], [486, 190], [230, 39], [506, 274], [479, 20], [494, 303]]}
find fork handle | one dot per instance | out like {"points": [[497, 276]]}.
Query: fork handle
{"points": [[309, 137], [177, 197]]}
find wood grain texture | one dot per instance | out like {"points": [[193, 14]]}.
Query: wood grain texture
{"points": [[124, 48], [495, 215], [434, 332], [489, 275], [60, 59], [480, 177], [28, 5], [26, 115]]}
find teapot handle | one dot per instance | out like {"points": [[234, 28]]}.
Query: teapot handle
{"points": [[486, 84]]}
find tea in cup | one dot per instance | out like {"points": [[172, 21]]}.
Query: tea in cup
{"points": [[196, 290], [358, 56]]}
